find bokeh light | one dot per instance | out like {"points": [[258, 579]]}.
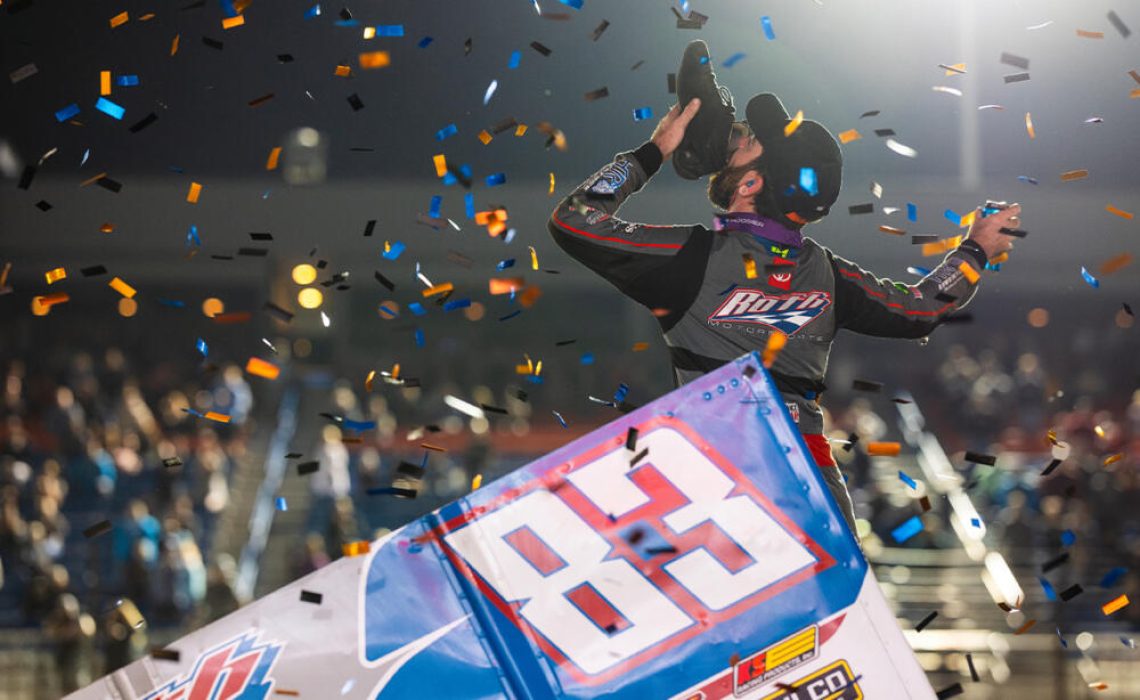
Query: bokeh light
{"points": [[310, 298], [128, 307], [1038, 318], [212, 307], [304, 273]]}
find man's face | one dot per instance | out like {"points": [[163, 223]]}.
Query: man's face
{"points": [[744, 145]]}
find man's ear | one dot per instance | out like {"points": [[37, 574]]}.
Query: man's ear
{"points": [[750, 184]]}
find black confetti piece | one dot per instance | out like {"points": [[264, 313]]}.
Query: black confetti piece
{"points": [[1053, 464], [284, 58], [100, 528], [561, 343], [973, 671], [467, 47], [540, 48], [308, 467], [631, 439], [601, 28], [294, 455], [93, 271], [637, 65], [663, 549], [1071, 592], [311, 597], [1015, 78], [920, 238], [950, 691], [1055, 562], [1010, 59], [109, 184], [26, 177], [143, 123], [926, 621], [639, 456], [260, 236], [369, 227], [279, 313], [978, 458], [354, 101], [258, 101], [1119, 24], [1127, 309], [385, 281], [393, 491], [868, 208], [852, 440], [171, 462], [872, 113], [253, 252], [597, 94], [867, 385], [414, 471], [493, 409], [212, 43], [43, 205], [881, 133], [165, 654]]}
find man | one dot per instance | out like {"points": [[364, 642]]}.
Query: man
{"points": [[724, 292]]}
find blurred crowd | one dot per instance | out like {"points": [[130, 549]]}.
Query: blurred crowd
{"points": [[90, 441]]}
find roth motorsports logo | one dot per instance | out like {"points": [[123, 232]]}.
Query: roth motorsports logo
{"points": [[784, 312]]}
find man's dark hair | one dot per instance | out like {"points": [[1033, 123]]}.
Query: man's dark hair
{"points": [[723, 183]]}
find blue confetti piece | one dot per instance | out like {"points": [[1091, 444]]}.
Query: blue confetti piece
{"points": [[389, 30], [907, 530], [282, 505], [359, 426], [347, 23], [952, 216], [394, 251], [587, 359], [808, 181], [496, 179], [67, 112], [534, 380], [1068, 537], [621, 393], [976, 522], [911, 211], [561, 420], [504, 264], [449, 178], [417, 308], [419, 337], [992, 267], [704, 60], [449, 130], [1050, 592], [388, 311], [192, 412], [109, 108], [513, 63], [905, 478], [1113, 577], [203, 349], [457, 304], [1026, 178], [733, 60], [1064, 644], [228, 8], [469, 205], [510, 315], [766, 23], [433, 210], [510, 236], [576, 4], [920, 271], [127, 81], [1092, 281], [314, 11], [425, 42], [640, 113], [172, 303], [192, 237]]}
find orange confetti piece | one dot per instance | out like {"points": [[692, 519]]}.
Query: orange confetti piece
{"points": [[147, 17], [53, 276], [968, 220], [260, 368], [506, 285], [104, 82], [290, 693], [1026, 627], [192, 195], [1134, 94], [352, 549], [343, 71], [122, 288], [1119, 212], [1085, 34], [174, 44], [883, 449], [216, 417], [1099, 685], [231, 22], [368, 381], [438, 289], [476, 482], [374, 59], [1029, 125], [1115, 604], [640, 347], [49, 300], [969, 272], [892, 230], [1074, 175], [749, 266], [232, 317], [939, 247], [999, 259], [433, 448], [91, 180], [4, 274], [271, 161], [1115, 263], [790, 127], [440, 165], [1113, 459], [772, 348], [485, 137], [528, 297], [107, 228], [120, 19], [848, 136], [521, 129]]}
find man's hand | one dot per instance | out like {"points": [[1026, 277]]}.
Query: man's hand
{"points": [[986, 232], [671, 129]]}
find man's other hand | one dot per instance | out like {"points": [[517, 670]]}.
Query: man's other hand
{"points": [[671, 129], [986, 232]]}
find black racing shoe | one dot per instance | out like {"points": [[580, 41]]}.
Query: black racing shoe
{"points": [[704, 150]]}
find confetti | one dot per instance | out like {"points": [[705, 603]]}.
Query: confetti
{"points": [[766, 24], [901, 149], [969, 272], [311, 597], [597, 94], [973, 671], [231, 22], [1071, 592], [174, 44], [1025, 627], [1050, 592], [848, 136], [1118, 212], [733, 59], [355, 102], [53, 276], [977, 458], [911, 527], [1086, 34], [926, 620], [100, 528], [883, 449], [109, 108], [1119, 24], [551, 191], [192, 195], [260, 368], [1113, 459], [353, 549], [1029, 126], [1113, 577], [1089, 279], [1115, 264], [749, 266], [1055, 562], [776, 342], [490, 91], [868, 208], [23, 72], [281, 504], [791, 126], [892, 230], [1015, 78], [67, 112], [476, 482], [120, 19], [122, 288], [1115, 604], [950, 691], [906, 479], [948, 90], [867, 385], [374, 59], [639, 114]]}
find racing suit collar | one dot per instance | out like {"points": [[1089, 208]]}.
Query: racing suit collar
{"points": [[760, 226]]}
